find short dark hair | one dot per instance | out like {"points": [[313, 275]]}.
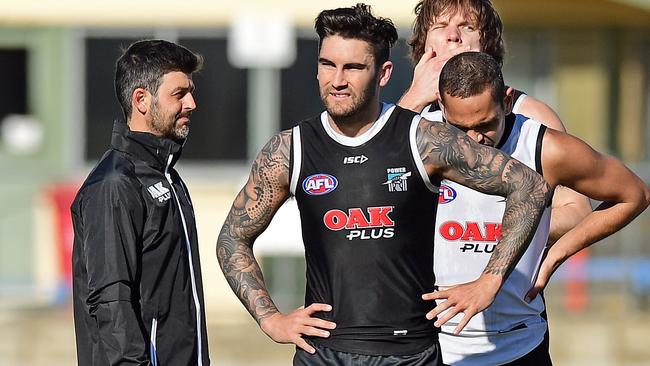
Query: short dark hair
{"points": [[482, 12], [469, 74], [143, 65], [357, 22]]}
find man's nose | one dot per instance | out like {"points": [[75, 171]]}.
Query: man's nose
{"points": [[339, 81], [453, 34], [189, 103]]}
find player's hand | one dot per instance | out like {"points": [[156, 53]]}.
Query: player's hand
{"points": [[469, 298], [546, 270], [424, 86], [290, 328]]}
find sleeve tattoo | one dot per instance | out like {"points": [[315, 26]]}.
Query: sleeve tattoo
{"points": [[267, 188], [449, 153]]}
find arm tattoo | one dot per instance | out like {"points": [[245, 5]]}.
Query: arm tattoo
{"points": [[449, 153], [267, 188]]}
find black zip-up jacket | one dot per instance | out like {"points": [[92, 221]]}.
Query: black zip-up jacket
{"points": [[137, 288]]}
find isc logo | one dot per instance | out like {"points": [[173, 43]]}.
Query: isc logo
{"points": [[319, 184], [359, 159], [446, 195]]}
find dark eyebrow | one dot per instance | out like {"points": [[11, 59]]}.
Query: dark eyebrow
{"points": [[465, 129], [355, 65], [487, 122]]}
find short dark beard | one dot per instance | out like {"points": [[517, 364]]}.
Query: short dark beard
{"points": [[352, 115], [158, 125]]}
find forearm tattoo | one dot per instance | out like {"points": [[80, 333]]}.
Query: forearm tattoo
{"points": [[267, 188], [450, 153]]}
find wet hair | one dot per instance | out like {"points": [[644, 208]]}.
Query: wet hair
{"points": [[143, 65], [357, 22], [482, 12], [471, 73]]}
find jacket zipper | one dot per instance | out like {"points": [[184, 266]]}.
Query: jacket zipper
{"points": [[189, 258]]}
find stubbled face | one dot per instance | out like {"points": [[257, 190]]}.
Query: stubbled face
{"points": [[451, 33], [479, 116], [172, 106], [347, 76]]}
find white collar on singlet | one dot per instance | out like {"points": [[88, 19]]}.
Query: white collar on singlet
{"points": [[386, 111], [518, 102], [432, 113]]}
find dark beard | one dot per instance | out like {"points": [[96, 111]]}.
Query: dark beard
{"points": [[166, 129], [350, 115]]}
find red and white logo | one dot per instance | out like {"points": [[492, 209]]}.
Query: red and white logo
{"points": [[373, 223], [470, 231], [477, 238], [319, 184]]}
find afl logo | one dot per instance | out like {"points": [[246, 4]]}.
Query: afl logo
{"points": [[447, 194], [319, 184]]}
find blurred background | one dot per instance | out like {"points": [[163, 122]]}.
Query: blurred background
{"points": [[588, 59]]}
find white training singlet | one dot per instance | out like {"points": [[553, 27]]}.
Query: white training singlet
{"points": [[468, 225]]}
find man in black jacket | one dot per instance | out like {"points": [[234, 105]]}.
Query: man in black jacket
{"points": [[137, 288]]}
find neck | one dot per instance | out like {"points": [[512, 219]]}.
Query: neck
{"points": [[358, 123], [137, 123]]}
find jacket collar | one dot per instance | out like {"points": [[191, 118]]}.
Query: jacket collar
{"points": [[144, 146]]}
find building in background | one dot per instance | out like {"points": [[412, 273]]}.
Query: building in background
{"points": [[588, 59]]}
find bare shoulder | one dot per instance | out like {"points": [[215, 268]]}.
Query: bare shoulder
{"points": [[536, 109], [564, 156]]}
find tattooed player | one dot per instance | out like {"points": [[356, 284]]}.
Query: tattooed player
{"points": [[364, 175], [513, 331]]}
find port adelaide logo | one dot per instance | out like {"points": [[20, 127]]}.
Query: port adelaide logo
{"points": [[319, 184], [447, 194], [396, 179]]}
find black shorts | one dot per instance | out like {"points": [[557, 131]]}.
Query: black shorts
{"points": [[328, 357], [540, 356]]}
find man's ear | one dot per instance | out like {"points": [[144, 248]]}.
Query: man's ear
{"points": [[140, 100], [440, 105], [508, 100], [385, 73]]}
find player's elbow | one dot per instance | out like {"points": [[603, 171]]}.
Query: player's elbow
{"points": [[641, 198], [646, 197]]}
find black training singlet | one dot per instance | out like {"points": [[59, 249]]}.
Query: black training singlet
{"points": [[366, 214]]}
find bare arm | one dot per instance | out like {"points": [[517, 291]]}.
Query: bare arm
{"points": [[569, 207], [254, 207], [266, 190], [567, 210], [449, 153], [572, 163]]}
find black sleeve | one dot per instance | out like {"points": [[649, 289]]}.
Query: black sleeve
{"points": [[113, 215]]}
